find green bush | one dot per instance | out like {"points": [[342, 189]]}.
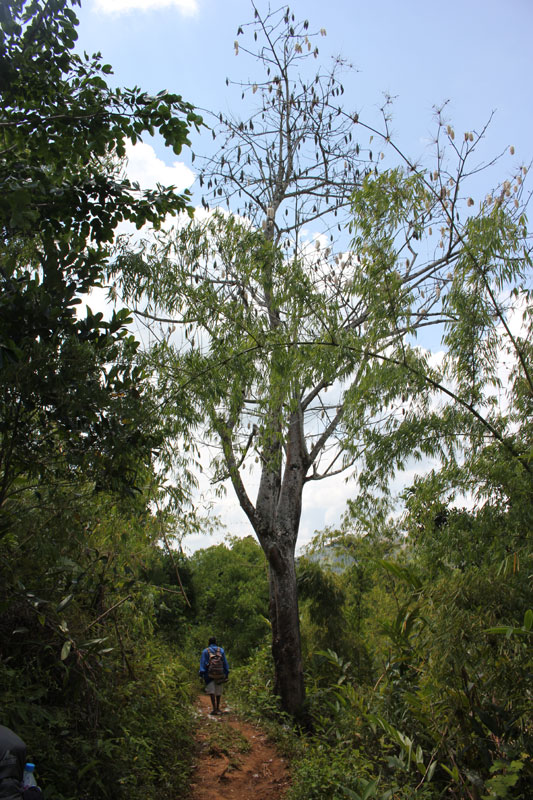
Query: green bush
{"points": [[101, 702], [230, 586], [336, 773], [252, 686]]}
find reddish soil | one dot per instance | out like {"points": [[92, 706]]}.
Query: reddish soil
{"points": [[235, 760]]}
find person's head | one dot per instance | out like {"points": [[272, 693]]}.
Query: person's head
{"points": [[212, 640]]}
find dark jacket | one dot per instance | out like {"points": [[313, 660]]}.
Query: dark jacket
{"points": [[12, 760]]}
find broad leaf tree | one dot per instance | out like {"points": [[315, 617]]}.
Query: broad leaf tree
{"points": [[293, 343], [69, 387]]}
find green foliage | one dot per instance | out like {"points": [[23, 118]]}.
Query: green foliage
{"points": [[101, 704], [445, 708], [170, 575], [505, 777], [337, 773], [321, 601], [349, 559], [60, 122], [450, 708], [252, 686], [525, 630], [69, 384], [230, 586], [449, 642], [473, 271]]}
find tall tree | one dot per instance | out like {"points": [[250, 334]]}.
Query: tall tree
{"points": [[291, 340]]}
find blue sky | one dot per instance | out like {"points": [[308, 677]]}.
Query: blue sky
{"points": [[475, 54]]}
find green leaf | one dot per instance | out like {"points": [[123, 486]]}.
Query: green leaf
{"points": [[65, 602], [351, 794], [370, 789], [65, 650]]}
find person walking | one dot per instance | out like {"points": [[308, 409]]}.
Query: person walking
{"points": [[214, 670]]}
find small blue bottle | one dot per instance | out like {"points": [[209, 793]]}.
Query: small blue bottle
{"points": [[28, 778]]}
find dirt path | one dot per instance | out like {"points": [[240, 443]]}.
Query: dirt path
{"points": [[234, 760]]}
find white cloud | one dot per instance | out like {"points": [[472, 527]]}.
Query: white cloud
{"points": [[144, 167], [187, 7], [148, 170]]}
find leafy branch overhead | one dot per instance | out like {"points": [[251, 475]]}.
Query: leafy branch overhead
{"points": [[57, 139], [293, 158]]}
